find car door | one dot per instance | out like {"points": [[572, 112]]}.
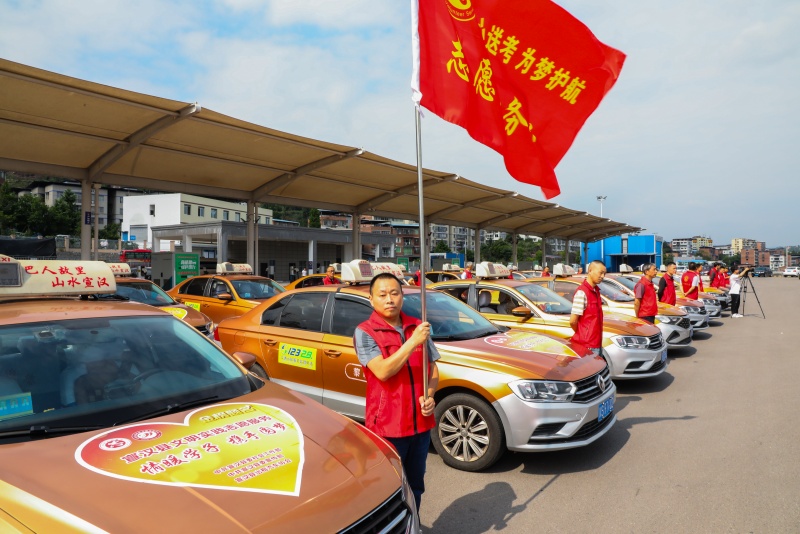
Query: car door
{"points": [[218, 308], [193, 294], [292, 342], [345, 385]]}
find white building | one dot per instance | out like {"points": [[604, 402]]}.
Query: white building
{"points": [[144, 212]]}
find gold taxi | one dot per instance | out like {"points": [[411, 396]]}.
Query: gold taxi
{"points": [[310, 281], [635, 349], [673, 322], [231, 292], [498, 388], [146, 292], [118, 417]]}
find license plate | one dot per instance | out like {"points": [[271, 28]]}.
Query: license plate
{"points": [[605, 408], [664, 356]]}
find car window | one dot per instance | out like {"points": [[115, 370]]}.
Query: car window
{"points": [[506, 301], [311, 282], [304, 311], [610, 291], [565, 289], [194, 286], [149, 294], [348, 313], [450, 318], [257, 289], [217, 288], [273, 313], [459, 292], [104, 371]]}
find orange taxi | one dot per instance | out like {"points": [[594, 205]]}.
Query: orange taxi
{"points": [[634, 348], [498, 388], [118, 417], [231, 292]]}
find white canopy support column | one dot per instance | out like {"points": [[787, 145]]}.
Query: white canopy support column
{"points": [[312, 256], [252, 235], [86, 222], [187, 242], [514, 249], [477, 246], [544, 252], [566, 253], [356, 251], [96, 220]]}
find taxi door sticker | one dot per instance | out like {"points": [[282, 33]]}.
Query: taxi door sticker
{"points": [[298, 356], [519, 340], [195, 305], [180, 313], [231, 446]]}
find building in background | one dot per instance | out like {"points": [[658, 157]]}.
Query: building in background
{"points": [[738, 243], [630, 249]]}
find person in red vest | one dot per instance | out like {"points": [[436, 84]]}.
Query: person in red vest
{"points": [[330, 278], [586, 318], [467, 274], [546, 271], [389, 346], [712, 274], [645, 302], [666, 286], [690, 282]]}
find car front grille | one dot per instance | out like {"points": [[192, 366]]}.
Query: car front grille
{"points": [[702, 310], [547, 430], [656, 342], [685, 323], [391, 517], [633, 368], [586, 431], [588, 390]]}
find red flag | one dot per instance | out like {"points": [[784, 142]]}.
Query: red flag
{"points": [[521, 76]]}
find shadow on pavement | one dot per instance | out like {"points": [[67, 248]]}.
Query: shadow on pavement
{"points": [[682, 352], [645, 385], [701, 336], [488, 509]]}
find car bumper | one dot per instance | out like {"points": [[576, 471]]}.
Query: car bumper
{"points": [[676, 336], [699, 321], [552, 426], [713, 311], [628, 364]]}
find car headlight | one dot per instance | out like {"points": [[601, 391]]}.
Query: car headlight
{"points": [[543, 390], [631, 342], [709, 302], [690, 309], [669, 319]]}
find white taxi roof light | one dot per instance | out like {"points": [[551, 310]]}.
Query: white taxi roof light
{"points": [[663, 268], [391, 268], [120, 269], [559, 269], [625, 268], [450, 267], [486, 269], [234, 268], [54, 277], [357, 271]]}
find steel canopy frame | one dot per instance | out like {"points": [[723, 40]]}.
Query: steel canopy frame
{"points": [[62, 126]]}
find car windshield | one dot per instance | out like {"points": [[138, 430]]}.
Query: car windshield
{"points": [[451, 319], [610, 291], [546, 300], [82, 374], [146, 293], [257, 288], [625, 281]]}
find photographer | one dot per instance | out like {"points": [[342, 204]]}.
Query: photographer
{"points": [[736, 287]]}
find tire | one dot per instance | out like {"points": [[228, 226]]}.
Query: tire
{"points": [[468, 434], [259, 372]]}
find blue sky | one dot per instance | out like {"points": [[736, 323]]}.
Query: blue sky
{"points": [[697, 138]]}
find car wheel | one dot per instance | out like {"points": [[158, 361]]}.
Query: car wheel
{"points": [[259, 371], [468, 434]]}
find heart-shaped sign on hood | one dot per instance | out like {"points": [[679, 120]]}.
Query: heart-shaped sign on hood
{"points": [[230, 446]]}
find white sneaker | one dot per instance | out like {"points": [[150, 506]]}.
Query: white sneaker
{"points": [[737, 315]]}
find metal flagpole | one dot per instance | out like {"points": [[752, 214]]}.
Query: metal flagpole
{"points": [[423, 249]]}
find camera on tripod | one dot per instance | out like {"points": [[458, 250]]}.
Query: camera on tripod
{"points": [[747, 271]]}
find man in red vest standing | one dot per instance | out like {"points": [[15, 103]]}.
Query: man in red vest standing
{"points": [[389, 346], [666, 286], [645, 302], [586, 318], [690, 282]]}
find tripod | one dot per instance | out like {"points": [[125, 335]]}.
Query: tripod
{"points": [[746, 282]]}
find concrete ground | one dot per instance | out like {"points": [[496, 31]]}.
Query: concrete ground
{"points": [[712, 445]]}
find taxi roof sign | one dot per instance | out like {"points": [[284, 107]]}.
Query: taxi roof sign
{"points": [[120, 269], [234, 268], [361, 271], [450, 267], [559, 269], [624, 268], [54, 277], [486, 269]]}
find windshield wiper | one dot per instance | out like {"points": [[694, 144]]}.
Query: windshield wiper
{"points": [[169, 408], [44, 430]]}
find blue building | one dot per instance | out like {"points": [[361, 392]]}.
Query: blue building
{"points": [[630, 249]]}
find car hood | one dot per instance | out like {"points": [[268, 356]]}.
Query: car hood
{"points": [[187, 314], [613, 323], [523, 354], [334, 475]]}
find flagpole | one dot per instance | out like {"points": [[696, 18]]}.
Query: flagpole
{"points": [[423, 250]]}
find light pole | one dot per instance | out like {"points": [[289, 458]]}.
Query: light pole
{"points": [[600, 199]]}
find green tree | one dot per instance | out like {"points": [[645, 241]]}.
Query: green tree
{"points": [[111, 231], [8, 208], [313, 218], [441, 246], [30, 216], [499, 251], [65, 216]]}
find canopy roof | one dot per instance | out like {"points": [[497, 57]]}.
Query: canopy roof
{"points": [[62, 126]]}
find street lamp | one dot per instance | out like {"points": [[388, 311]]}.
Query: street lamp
{"points": [[601, 199]]}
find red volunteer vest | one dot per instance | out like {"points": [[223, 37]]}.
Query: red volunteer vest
{"points": [[393, 408], [686, 282], [669, 295], [590, 324], [327, 281], [649, 305]]}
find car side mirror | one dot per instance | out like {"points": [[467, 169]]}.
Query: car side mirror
{"points": [[224, 296], [245, 359], [521, 311]]}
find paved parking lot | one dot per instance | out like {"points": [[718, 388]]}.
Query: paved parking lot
{"points": [[712, 445]]}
